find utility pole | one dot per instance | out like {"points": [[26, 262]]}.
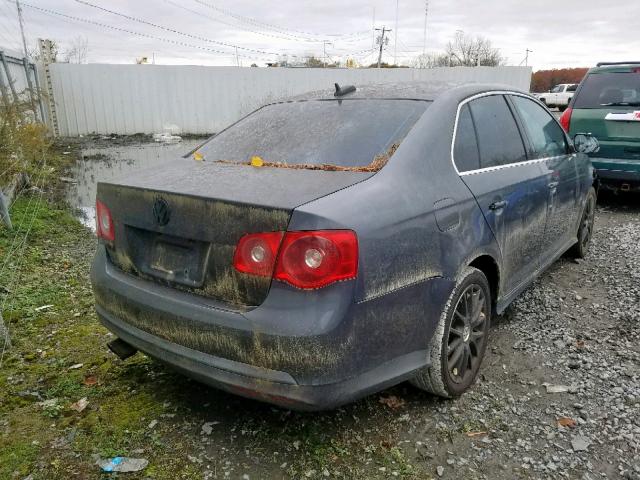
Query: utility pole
{"points": [[382, 41], [324, 51], [395, 46], [426, 13], [21, 21], [526, 57]]}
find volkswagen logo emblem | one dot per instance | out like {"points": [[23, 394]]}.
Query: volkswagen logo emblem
{"points": [[161, 211]]}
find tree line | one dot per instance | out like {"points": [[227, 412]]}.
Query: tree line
{"points": [[545, 80]]}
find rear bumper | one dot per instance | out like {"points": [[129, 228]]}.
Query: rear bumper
{"points": [[272, 386], [618, 173], [337, 360]]}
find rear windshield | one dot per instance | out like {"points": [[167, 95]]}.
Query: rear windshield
{"points": [[344, 133], [609, 89]]}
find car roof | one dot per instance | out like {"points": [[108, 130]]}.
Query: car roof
{"points": [[417, 90], [615, 67]]}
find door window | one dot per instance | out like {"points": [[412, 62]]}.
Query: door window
{"points": [[499, 139], [465, 150], [546, 137]]}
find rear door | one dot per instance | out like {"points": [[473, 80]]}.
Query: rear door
{"points": [[548, 144], [608, 106], [511, 191]]}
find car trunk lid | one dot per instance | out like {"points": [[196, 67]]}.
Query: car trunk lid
{"points": [[179, 224]]}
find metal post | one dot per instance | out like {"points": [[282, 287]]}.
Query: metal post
{"points": [[426, 13], [21, 21], [35, 76], [395, 43], [45, 54], [3, 60], [25, 63], [4, 211], [3, 90]]}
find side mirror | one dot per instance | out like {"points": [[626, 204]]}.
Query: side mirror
{"points": [[586, 143]]}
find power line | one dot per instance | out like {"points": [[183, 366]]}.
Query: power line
{"points": [[201, 14], [270, 26], [139, 34], [177, 32]]}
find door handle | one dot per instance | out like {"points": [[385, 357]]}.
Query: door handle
{"points": [[553, 185], [498, 205]]}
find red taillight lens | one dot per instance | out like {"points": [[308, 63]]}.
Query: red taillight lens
{"points": [[306, 260], [104, 222], [318, 258], [256, 253], [565, 119]]}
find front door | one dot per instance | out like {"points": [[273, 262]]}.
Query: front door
{"points": [[510, 190], [547, 142]]}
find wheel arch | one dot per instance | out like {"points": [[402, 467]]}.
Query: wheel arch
{"points": [[489, 266]]}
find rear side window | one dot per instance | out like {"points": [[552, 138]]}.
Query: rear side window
{"points": [[344, 133], [601, 90], [465, 150], [572, 88], [546, 136], [499, 139]]}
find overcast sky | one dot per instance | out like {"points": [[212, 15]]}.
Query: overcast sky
{"points": [[568, 33]]}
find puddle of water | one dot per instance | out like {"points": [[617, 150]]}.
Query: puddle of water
{"points": [[109, 163]]}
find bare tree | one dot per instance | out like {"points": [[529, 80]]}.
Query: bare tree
{"points": [[77, 51], [430, 60], [469, 52], [34, 52]]}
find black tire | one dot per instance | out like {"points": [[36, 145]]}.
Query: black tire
{"points": [[469, 335], [562, 108], [585, 230]]}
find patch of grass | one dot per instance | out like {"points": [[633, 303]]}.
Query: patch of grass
{"points": [[397, 461], [15, 462]]}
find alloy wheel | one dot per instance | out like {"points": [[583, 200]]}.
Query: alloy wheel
{"points": [[467, 334], [587, 222]]}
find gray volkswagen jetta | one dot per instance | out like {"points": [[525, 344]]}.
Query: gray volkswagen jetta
{"points": [[325, 248]]}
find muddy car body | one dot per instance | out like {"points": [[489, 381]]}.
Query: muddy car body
{"points": [[429, 229]]}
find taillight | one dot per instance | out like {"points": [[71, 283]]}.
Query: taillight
{"points": [[256, 253], [104, 222], [565, 119], [306, 260]]}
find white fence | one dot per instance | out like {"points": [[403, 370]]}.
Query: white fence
{"points": [[128, 99]]}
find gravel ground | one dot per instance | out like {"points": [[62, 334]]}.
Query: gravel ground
{"points": [[574, 332]]}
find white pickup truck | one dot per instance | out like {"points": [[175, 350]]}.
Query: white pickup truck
{"points": [[559, 96]]}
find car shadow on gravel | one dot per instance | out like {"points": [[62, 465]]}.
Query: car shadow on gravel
{"points": [[622, 202]]}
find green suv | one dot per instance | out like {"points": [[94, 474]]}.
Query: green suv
{"points": [[607, 105]]}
